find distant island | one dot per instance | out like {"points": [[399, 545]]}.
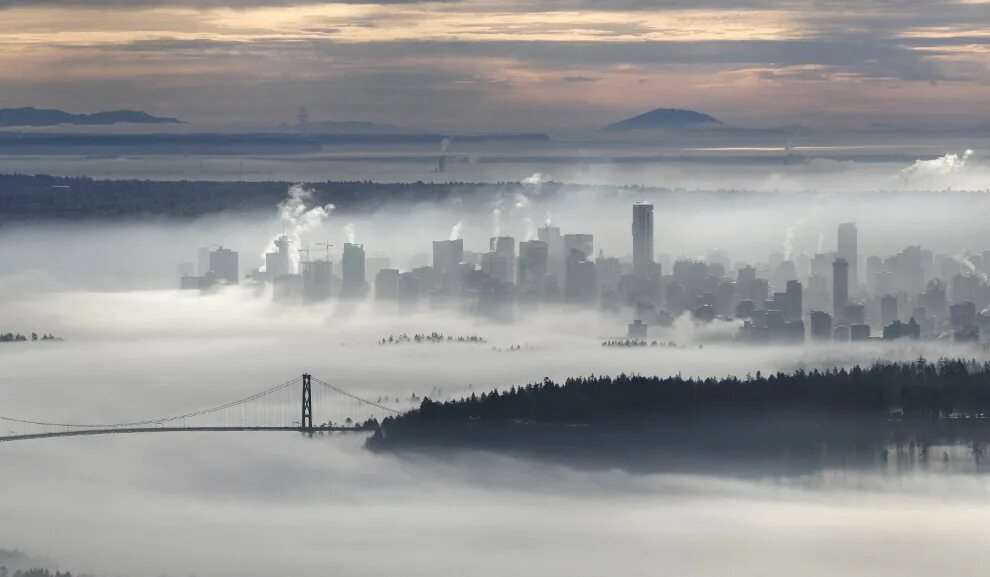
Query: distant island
{"points": [[667, 119], [856, 412], [690, 121], [30, 116]]}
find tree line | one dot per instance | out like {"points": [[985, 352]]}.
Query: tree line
{"points": [[942, 390]]}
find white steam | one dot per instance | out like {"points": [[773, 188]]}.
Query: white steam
{"points": [[941, 166], [536, 178], [297, 218], [496, 222], [351, 232], [455, 231]]}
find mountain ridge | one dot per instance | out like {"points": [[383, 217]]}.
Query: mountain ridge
{"points": [[31, 116]]}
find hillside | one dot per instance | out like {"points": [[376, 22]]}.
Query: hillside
{"points": [[30, 116], [667, 119]]}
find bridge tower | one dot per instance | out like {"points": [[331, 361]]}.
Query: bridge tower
{"points": [[306, 423]]}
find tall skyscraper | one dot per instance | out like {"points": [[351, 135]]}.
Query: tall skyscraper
{"points": [[352, 265], [503, 258], [642, 233], [447, 254], [848, 250], [840, 288], [278, 263], [223, 263], [533, 263]]}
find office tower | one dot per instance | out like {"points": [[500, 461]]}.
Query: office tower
{"points": [[551, 236], [609, 271], [387, 284], [888, 309], [447, 254], [966, 287], [933, 300], [848, 250], [316, 278], [223, 263], [533, 263], [859, 332], [581, 280], [821, 325], [409, 290], [642, 233], [584, 243], [962, 315], [352, 265], [203, 261], [794, 310], [840, 288], [503, 251], [278, 263]]}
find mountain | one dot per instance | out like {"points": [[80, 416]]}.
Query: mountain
{"points": [[668, 119], [30, 116]]}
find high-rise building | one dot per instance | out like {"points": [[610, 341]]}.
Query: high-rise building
{"points": [[408, 292], [387, 284], [352, 265], [533, 263], [317, 276], [821, 326], [278, 263], [223, 263], [203, 261], [794, 309], [888, 309], [503, 248], [848, 250], [585, 243], [840, 288], [447, 254], [642, 233]]}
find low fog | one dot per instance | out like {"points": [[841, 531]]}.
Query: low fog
{"points": [[263, 504]]}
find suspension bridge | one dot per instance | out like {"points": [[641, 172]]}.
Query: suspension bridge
{"points": [[294, 406]]}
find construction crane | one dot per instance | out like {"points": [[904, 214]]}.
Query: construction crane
{"points": [[325, 245]]}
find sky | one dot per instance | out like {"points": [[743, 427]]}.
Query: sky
{"points": [[486, 65]]}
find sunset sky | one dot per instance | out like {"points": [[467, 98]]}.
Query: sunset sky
{"points": [[547, 65]]}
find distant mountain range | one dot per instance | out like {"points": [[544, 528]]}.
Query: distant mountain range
{"points": [[30, 116], [678, 120]]}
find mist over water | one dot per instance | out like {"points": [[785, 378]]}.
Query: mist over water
{"points": [[277, 504]]}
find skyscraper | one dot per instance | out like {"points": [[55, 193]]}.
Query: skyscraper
{"points": [[840, 288], [584, 243], [278, 263], [848, 250], [446, 254], [642, 233], [533, 263], [352, 265], [503, 250], [223, 263]]}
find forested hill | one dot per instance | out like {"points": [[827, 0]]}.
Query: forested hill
{"points": [[27, 198], [949, 390], [39, 197]]}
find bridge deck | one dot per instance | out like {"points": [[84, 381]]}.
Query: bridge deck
{"points": [[84, 432]]}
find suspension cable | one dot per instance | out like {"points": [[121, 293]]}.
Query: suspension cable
{"points": [[161, 420], [355, 397]]}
